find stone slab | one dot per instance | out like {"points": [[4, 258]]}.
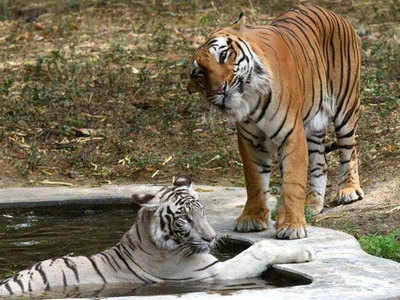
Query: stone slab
{"points": [[342, 270]]}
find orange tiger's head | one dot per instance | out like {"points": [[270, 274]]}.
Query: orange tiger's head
{"points": [[227, 71]]}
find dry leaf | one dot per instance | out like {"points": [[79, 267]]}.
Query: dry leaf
{"points": [[56, 183]]}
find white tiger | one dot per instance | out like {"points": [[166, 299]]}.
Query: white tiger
{"points": [[169, 242]]}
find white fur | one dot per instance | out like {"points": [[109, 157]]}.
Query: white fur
{"points": [[151, 263], [320, 120]]}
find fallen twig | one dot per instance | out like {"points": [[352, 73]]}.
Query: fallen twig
{"points": [[56, 183], [329, 217]]}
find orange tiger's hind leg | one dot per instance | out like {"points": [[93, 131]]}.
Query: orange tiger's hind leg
{"points": [[318, 170], [256, 214], [349, 182]]}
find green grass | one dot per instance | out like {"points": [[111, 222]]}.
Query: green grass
{"points": [[386, 246]]}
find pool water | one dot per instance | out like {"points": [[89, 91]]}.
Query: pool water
{"points": [[31, 235]]}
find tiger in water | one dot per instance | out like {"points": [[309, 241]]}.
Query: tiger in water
{"points": [[170, 242], [282, 84]]}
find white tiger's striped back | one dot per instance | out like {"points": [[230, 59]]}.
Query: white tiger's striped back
{"points": [[138, 259]]}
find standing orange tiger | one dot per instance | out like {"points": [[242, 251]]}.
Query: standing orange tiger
{"points": [[281, 84]]}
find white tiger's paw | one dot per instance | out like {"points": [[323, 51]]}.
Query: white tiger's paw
{"points": [[350, 194], [306, 254]]}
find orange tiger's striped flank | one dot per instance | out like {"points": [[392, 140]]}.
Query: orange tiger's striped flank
{"points": [[282, 84]]}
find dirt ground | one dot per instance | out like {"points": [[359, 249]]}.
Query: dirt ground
{"points": [[378, 212]]}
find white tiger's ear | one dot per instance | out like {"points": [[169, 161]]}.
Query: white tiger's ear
{"points": [[146, 200], [183, 180], [240, 23]]}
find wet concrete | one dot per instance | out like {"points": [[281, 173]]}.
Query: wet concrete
{"points": [[342, 270]]}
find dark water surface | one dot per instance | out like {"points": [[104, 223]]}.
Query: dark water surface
{"points": [[30, 235]]}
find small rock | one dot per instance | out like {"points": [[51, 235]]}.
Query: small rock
{"points": [[73, 174]]}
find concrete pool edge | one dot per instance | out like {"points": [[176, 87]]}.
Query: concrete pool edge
{"points": [[341, 270]]}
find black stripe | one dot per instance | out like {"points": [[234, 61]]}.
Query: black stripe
{"points": [[162, 223], [108, 260], [169, 223], [249, 133], [206, 267], [315, 169], [133, 260], [346, 88], [128, 253], [30, 285], [38, 268], [310, 140], [130, 242], [315, 151], [250, 141], [19, 282], [346, 135], [282, 123], [248, 49], [345, 146], [267, 101], [317, 176], [347, 117], [115, 262], [339, 94], [127, 265], [211, 43], [176, 279], [9, 289], [138, 234], [71, 266], [320, 135], [64, 279], [244, 55], [256, 107], [167, 190], [330, 147], [96, 268], [52, 261], [289, 133]]}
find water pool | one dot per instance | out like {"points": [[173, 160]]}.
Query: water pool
{"points": [[28, 235]]}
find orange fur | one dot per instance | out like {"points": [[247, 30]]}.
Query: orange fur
{"points": [[282, 83]]}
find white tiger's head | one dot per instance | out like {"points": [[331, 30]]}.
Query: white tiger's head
{"points": [[228, 71], [178, 218]]}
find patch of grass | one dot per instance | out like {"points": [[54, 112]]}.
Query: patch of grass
{"points": [[309, 216], [386, 246]]}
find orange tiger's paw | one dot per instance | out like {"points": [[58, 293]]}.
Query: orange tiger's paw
{"points": [[350, 193], [291, 231], [248, 223]]}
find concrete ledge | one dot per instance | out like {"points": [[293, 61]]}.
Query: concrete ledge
{"points": [[342, 269]]}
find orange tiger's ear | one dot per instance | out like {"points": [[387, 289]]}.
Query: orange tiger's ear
{"points": [[240, 23]]}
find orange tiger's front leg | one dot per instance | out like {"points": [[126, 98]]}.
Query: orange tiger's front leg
{"points": [[293, 159], [256, 214]]}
